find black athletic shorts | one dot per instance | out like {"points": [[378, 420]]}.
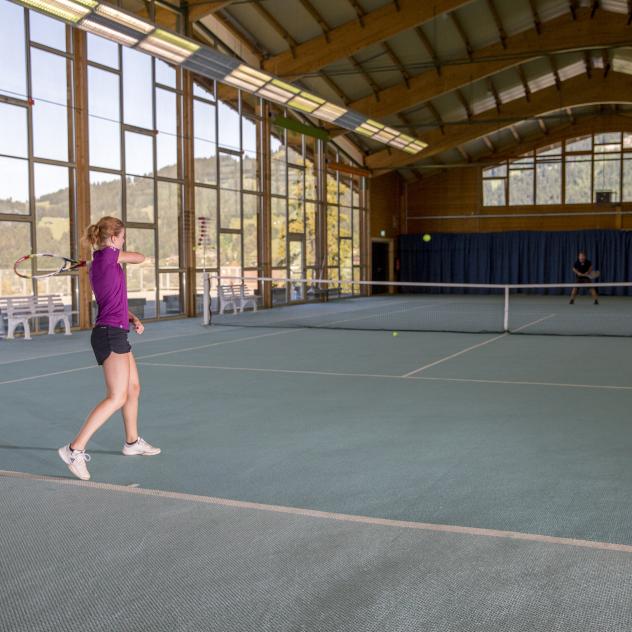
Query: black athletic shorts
{"points": [[583, 279], [106, 339]]}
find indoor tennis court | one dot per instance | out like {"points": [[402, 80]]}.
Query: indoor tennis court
{"points": [[315, 315]]}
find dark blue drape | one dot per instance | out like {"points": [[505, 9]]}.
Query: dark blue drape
{"points": [[515, 257]]}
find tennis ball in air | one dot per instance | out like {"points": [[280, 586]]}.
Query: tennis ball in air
{"points": [[395, 333], [427, 237]]}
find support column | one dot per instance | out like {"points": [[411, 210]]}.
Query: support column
{"points": [[265, 229], [321, 216], [188, 211], [82, 172]]}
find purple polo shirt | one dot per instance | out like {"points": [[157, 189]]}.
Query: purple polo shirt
{"points": [[110, 289]]}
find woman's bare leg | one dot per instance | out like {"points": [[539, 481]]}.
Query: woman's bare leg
{"points": [[116, 370], [130, 409]]}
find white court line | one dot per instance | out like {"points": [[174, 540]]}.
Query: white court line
{"points": [[535, 322], [256, 370], [216, 344], [385, 376], [151, 355], [326, 515], [477, 346], [88, 349], [37, 377], [609, 387], [454, 355]]}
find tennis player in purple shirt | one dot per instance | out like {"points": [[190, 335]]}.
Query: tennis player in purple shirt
{"points": [[110, 345]]}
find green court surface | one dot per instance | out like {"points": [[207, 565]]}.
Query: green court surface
{"points": [[479, 482]]}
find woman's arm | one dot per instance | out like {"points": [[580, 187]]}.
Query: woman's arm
{"points": [[130, 257]]}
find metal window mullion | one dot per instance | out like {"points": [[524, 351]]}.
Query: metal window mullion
{"points": [[122, 140], [154, 146], [241, 179], [72, 159], [50, 49], [218, 175], [31, 166]]}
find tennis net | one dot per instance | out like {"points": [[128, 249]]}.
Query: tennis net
{"points": [[451, 307]]}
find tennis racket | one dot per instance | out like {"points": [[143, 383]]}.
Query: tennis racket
{"points": [[592, 275], [47, 265]]}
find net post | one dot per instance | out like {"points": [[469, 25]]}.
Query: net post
{"points": [[206, 296], [506, 318]]}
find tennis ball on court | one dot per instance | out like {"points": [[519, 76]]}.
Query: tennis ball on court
{"points": [[427, 237], [395, 333]]}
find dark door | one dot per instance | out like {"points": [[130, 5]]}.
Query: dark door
{"points": [[379, 272]]}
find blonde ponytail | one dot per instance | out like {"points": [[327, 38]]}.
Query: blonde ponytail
{"points": [[97, 234]]}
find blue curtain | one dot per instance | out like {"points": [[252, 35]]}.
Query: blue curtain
{"points": [[515, 257]]}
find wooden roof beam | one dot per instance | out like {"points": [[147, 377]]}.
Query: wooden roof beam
{"points": [[605, 56], [588, 63], [499, 23], [360, 12], [349, 38], [492, 89], [561, 34], [464, 154], [436, 116], [593, 8], [197, 10], [462, 34], [430, 49], [218, 26], [334, 86], [587, 125], [276, 26], [406, 121], [525, 84], [537, 23], [464, 103], [317, 17], [396, 60], [367, 77], [573, 5], [555, 70], [575, 92]]}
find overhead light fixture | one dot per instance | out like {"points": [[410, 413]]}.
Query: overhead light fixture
{"points": [[274, 93], [103, 30], [124, 19], [169, 46], [69, 10], [244, 76], [306, 102], [124, 28], [329, 112], [383, 136], [398, 142]]}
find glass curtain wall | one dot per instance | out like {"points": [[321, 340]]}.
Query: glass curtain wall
{"points": [[135, 149], [227, 187], [136, 173], [36, 148], [591, 169]]}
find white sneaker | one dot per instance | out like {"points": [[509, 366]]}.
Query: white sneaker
{"points": [[76, 461], [140, 448]]}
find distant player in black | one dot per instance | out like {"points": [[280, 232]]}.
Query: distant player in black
{"points": [[582, 269]]}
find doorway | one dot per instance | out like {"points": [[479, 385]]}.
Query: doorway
{"points": [[379, 265]]}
